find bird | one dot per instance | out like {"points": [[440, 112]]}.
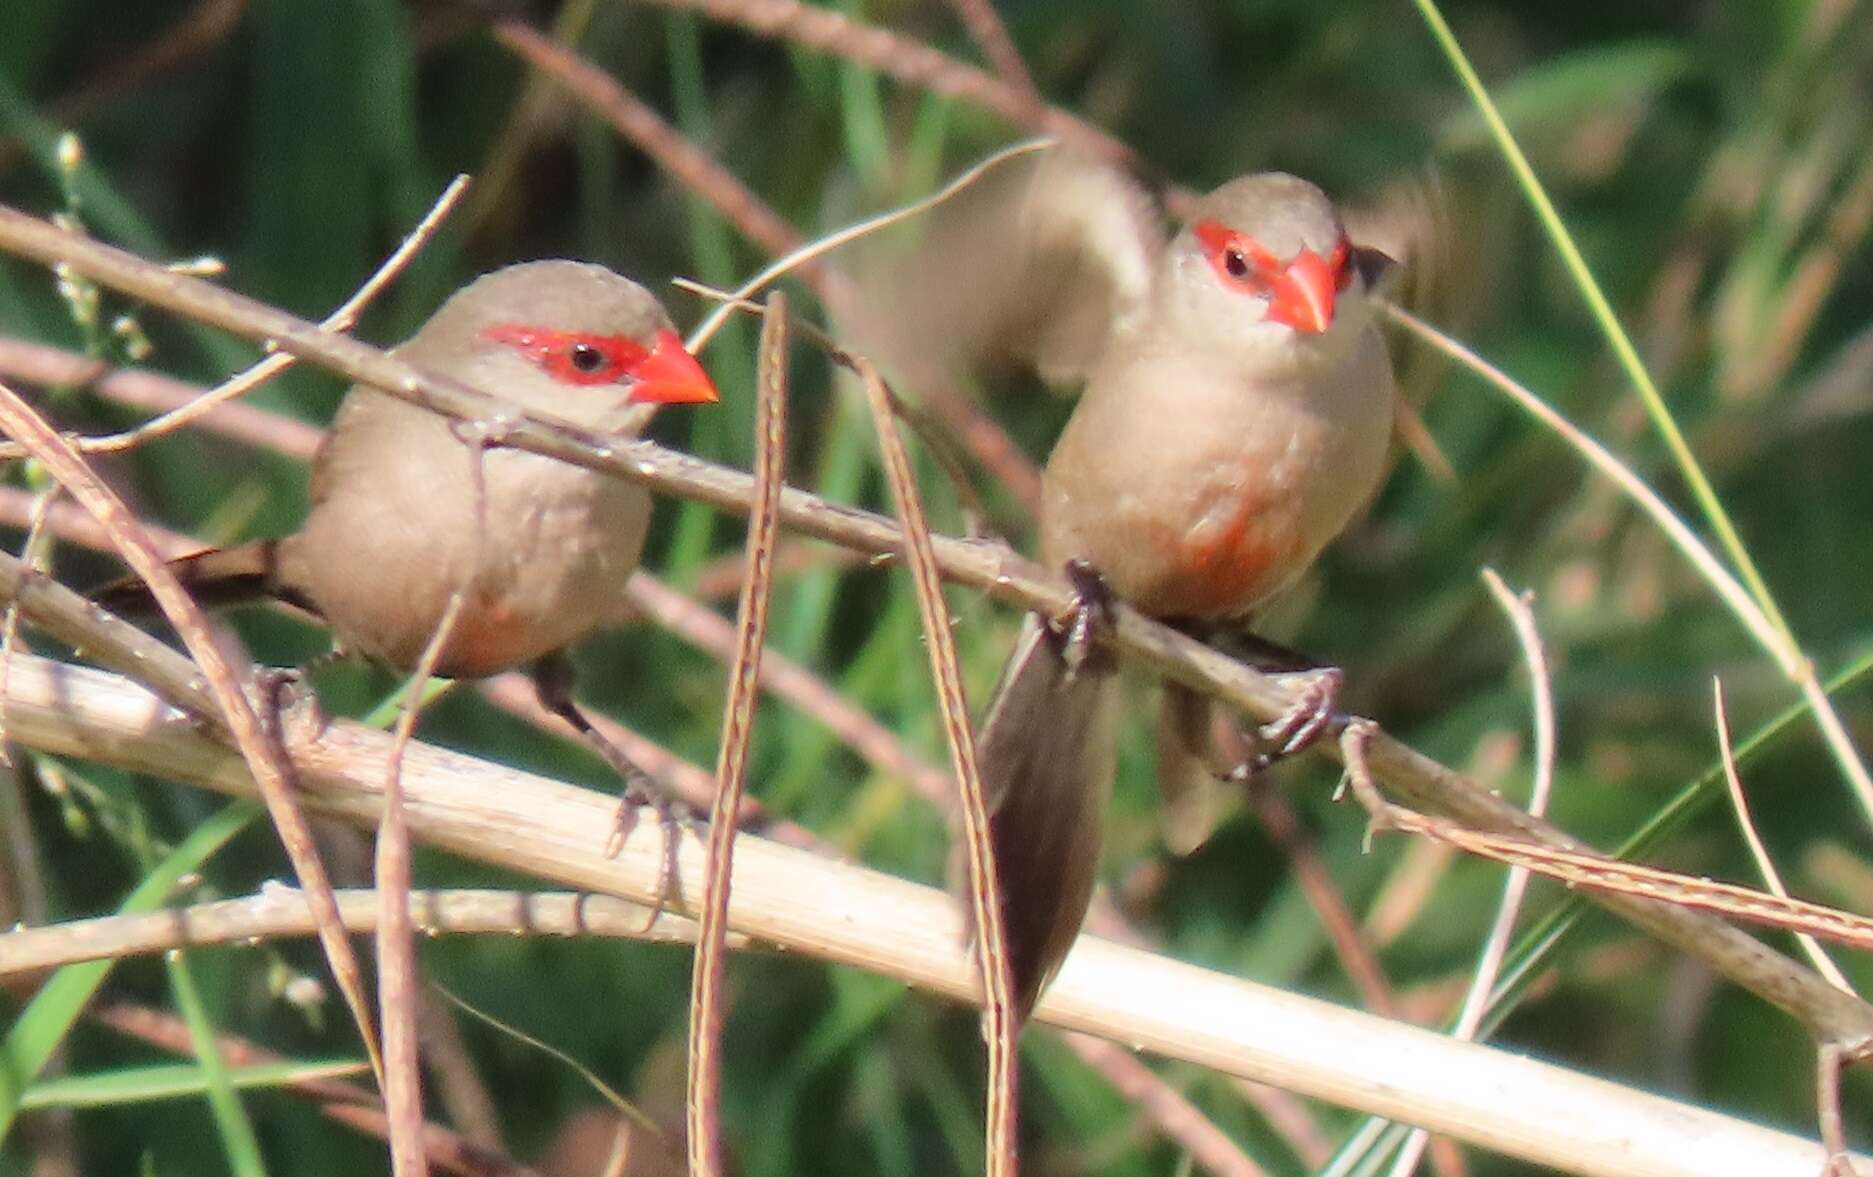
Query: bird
{"points": [[406, 509], [1235, 414]]}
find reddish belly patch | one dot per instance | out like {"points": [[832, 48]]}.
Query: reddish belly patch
{"points": [[1227, 561], [488, 638]]}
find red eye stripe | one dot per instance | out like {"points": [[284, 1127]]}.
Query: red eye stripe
{"points": [[1258, 266], [572, 357], [1238, 260]]}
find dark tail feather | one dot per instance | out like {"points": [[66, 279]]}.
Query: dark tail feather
{"points": [[215, 578], [1046, 756]]}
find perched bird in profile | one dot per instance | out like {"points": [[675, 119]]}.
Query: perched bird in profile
{"points": [[393, 531], [1236, 414]]}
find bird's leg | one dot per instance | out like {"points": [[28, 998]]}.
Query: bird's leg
{"points": [[552, 683], [1080, 633], [1309, 717]]}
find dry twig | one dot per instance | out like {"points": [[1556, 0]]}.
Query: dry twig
{"points": [[708, 1004], [1002, 1028]]}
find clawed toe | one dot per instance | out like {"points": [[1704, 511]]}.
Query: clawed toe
{"points": [[1307, 719], [1084, 627]]}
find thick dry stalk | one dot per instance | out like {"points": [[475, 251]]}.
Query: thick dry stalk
{"points": [[804, 903]]}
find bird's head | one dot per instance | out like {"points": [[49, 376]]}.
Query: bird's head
{"points": [[569, 338], [1264, 262]]}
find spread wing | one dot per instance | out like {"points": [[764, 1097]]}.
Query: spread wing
{"points": [[1031, 267]]}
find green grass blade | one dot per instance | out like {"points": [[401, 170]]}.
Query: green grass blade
{"points": [[134, 1085], [1602, 311], [48, 1018], [237, 1131]]}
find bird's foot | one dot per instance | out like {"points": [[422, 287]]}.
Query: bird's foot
{"points": [[286, 703], [1309, 717], [1081, 631]]}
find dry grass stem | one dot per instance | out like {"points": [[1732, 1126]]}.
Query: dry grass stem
{"points": [[1001, 1029], [399, 982], [342, 1103], [1771, 877], [36, 555], [1521, 613], [708, 1002], [231, 709], [904, 58]]}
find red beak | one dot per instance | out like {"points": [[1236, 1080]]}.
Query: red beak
{"points": [[671, 376], [1303, 294]]}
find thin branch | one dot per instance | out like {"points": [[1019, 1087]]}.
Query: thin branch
{"points": [[991, 36], [804, 903], [1001, 1027], [342, 319], [231, 712], [36, 363], [708, 1004], [1771, 877], [1592, 871], [633, 118], [988, 567], [908, 60], [1204, 1142], [1519, 608], [279, 911]]}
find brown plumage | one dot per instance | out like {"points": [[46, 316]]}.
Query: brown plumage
{"points": [[392, 530], [1236, 413]]}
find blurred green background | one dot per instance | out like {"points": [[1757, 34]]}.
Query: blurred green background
{"points": [[1716, 163]]}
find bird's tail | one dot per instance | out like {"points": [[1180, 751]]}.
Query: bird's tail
{"points": [[215, 578], [1187, 769], [1046, 756]]}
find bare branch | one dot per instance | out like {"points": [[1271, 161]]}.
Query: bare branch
{"points": [[804, 903]]}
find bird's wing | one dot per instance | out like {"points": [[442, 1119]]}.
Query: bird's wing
{"points": [[1033, 266]]}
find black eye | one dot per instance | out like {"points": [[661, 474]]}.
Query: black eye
{"points": [[587, 358], [1236, 264]]}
